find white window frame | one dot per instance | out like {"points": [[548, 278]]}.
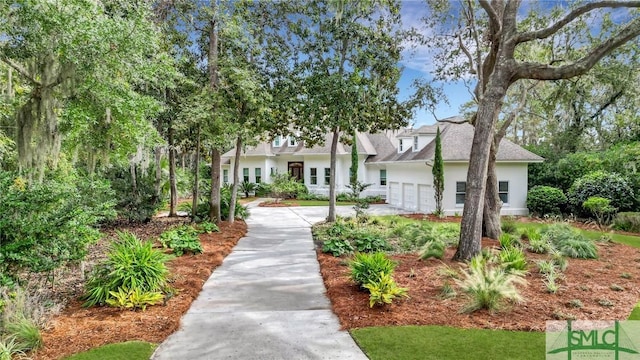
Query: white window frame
{"points": [[463, 193], [258, 174], [313, 176], [277, 141], [400, 146], [245, 174], [292, 141], [503, 192], [415, 143], [327, 176], [225, 176], [383, 180]]}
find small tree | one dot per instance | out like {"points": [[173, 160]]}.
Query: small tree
{"points": [[353, 171], [600, 208], [438, 174]]}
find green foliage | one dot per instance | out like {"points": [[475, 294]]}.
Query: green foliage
{"points": [[509, 227], [558, 259], [627, 221], [131, 350], [182, 239], [570, 242], [507, 241], [537, 244], [600, 208], [384, 290], [131, 265], [433, 248], [202, 212], [285, 186], [139, 205], [247, 187], [551, 280], [263, 189], [10, 348], [367, 267], [546, 200], [353, 170], [438, 173], [208, 227], [488, 286], [513, 259], [545, 266], [45, 226], [337, 247], [366, 241], [601, 184], [415, 236], [134, 298], [25, 332]]}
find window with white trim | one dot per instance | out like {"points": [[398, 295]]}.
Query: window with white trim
{"points": [[258, 173], [277, 141], [225, 176], [415, 143], [245, 174], [503, 191], [313, 176], [461, 191], [383, 177], [400, 147], [292, 141], [327, 176]]}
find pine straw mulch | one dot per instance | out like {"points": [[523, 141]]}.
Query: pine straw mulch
{"points": [[78, 329], [592, 282]]}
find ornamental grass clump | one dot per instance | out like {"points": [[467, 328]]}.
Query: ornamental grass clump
{"points": [[488, 285]]}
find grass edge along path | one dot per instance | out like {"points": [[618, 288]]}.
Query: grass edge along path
{"points": [[443, 342], [130, 350]]}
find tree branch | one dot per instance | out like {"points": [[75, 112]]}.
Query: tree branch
{"points": [[537, 71], [544, 33], [469, 56], [20, 70], [609, 102], [494, 19], [449, 121], [513, 115]]}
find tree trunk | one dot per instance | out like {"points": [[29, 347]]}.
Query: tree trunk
{"points": [[492, 204], [332, 178], [173, 203], [196, 173], [10, 84], [214, 199], [134, 181], [236, 179], [471, 227], [156, 186]]}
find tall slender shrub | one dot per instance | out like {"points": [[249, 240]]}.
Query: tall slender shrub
{"points": [[438, 173]]}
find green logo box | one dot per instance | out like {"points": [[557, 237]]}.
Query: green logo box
{"points": [[593, 339]]}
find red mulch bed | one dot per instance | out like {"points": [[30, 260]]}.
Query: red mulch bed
{"points": [[588, 281], [78, 329]]}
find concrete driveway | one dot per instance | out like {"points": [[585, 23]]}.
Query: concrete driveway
{"points": [[267, 300]]}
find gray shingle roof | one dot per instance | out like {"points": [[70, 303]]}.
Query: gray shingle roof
{"points": [[456, 146]]}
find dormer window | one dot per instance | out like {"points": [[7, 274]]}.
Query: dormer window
{"points": [[415, 143], [400, 147], [292, 141], [277, 141]]}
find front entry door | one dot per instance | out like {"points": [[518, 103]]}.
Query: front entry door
{"points": [[296, 170]]}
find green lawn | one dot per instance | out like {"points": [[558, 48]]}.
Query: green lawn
{"points": [[131, 350], [315, 202], [441, 342], [594, 235]]}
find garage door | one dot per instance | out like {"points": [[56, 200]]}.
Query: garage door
{"points": [[425, 198], [394, 194], [408, 197]]}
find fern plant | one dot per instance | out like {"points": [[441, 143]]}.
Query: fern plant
{"points": [[367, 267], [384, 290], [488, 286]]}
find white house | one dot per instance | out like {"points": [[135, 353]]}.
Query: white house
{"points": [[397, 165]]}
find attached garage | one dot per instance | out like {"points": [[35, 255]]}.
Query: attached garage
{"points": [[408, 196], [425, 199], [394, 194]]}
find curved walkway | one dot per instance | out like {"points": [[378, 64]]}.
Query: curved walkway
{"points": [[267, 299]]}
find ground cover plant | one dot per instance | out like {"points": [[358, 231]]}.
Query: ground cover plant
{"points": [[553, 279]]}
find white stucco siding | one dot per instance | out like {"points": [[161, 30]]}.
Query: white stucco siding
{"points": [[247, 162], [513, 173]]}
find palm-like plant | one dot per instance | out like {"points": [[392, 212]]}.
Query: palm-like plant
{"points": [[247, 187]]}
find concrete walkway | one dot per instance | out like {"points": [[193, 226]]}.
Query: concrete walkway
{"points": [[267, 299]]}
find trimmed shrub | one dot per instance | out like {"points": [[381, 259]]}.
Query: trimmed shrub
{"points": [[546, 200], [627, 221], [600, 208], [602, 184]]}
